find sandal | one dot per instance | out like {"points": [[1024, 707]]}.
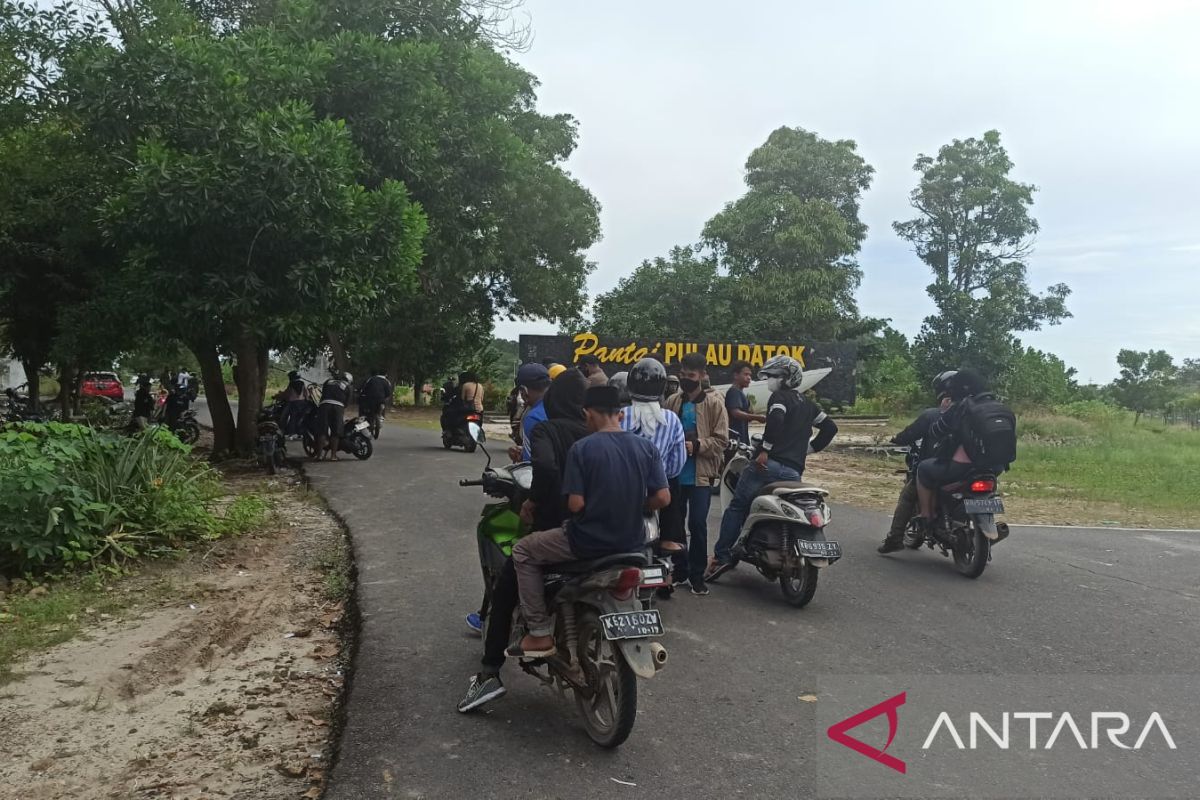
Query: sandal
{"points": [[518, 650]]}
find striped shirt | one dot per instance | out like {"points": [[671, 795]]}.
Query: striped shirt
{"points": [[667, 438]]}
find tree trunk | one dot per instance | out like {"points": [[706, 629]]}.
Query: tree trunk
{"points": [[216, 397], [264, 372], [33, 377], [393, 375], [341, 361], [250, 392], [418, 395], [66, 382]]}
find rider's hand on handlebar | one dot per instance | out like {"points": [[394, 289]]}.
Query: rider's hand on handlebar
{"points": [[514, 454], [761, 461], [527, 509]]}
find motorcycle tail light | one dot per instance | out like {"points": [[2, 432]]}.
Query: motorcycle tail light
{"points": [[983, 485], [815, 519], [627, 582]]}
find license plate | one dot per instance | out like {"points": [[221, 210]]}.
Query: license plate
{"points": [[361, 426], [632, 624], [813, 549], [983, 505], [267, 438], [654, 576]]}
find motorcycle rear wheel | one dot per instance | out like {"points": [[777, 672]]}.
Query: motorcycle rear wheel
{"points": [[799, 587], [188, 433], [609, 714], [971, 552], [361, 447]]}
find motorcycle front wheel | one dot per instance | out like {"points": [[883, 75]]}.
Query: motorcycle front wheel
{"points": [[799, 586], [189, 433], [610, 711], [971, 552], [361, 447]]}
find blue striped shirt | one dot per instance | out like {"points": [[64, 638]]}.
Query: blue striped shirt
{"points": [[668, 438]]}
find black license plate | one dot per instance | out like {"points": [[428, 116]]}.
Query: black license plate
{"points": [[983, 505], [632, 624], [812, 549]]}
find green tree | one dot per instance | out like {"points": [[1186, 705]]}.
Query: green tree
{"points": [[1145, 383], [1034, 378], [790, 242], [682, 295], [886, 372], [974, 232]]}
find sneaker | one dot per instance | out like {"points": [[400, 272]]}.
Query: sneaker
{"points": [[475, 623], [890, 545], [483, 689], [680, 584], [700, 589]]}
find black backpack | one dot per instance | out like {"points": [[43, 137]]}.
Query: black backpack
{"points": [[989, 431]]}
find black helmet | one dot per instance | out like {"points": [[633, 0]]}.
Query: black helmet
{"points": [[941, 384], [621, 381], [965, 383], [647, 380]]}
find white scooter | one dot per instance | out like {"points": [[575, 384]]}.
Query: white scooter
{"points": [[784, 535]]}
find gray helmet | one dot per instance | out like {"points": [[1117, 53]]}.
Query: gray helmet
{"points": [[786, 368], [621, 381]]}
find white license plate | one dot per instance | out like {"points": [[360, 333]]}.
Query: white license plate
{"points": [[632, 624], [360, 426], [654, 576], [983, 505]]}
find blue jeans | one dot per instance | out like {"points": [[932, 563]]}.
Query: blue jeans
{"points": [[749, 482], [695, 501]]}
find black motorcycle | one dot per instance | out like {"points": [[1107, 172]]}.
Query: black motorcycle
{"points": [[965, 526], [20, 409], [456, 428], [356, 438], [271, 448]]}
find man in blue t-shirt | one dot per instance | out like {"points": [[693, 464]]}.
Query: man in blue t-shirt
{"points": [[532, 382], [612, 479], [738, 405]]}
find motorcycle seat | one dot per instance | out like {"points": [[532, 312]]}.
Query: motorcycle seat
{"points": [[596, 565], [791, 487]]}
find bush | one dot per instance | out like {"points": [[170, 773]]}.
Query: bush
{"points": [[71, 496]]}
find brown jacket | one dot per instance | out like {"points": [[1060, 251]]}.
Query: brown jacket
{"points": [[712, 428]]}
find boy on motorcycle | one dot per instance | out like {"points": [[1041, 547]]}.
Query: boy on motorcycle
{"points": [[786, 443]]}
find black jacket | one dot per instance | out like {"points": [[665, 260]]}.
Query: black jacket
{"points": [[548, 446], [791, 418], [918, 433], [376, 389]]}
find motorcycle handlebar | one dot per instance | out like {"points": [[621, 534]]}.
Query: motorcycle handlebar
{"points": [[465, 482]]}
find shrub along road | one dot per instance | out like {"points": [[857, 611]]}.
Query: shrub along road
{"points": [[726, 717]]}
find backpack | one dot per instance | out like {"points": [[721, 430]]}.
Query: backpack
{"points": [[988, 431]]}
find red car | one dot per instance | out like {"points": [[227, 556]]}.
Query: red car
{"points": [[102, 384]]}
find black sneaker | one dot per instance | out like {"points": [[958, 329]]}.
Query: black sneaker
{"points": [[483, 689], [700, 589], [890, 545]]}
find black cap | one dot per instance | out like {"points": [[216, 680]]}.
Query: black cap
{"points": [[603, 398]]}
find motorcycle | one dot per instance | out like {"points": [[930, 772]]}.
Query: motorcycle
{"points": [[784, 535], [272, 444], [456, 432], [356, 438], [964, 527], [20, 408], [605, 624]]}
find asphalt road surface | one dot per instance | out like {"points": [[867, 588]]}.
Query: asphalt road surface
{"points": [[730, 715]]}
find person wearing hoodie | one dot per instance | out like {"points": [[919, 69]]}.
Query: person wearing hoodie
{"points": [[546, 508]]}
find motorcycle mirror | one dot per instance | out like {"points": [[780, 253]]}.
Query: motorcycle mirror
{"points": [[477, 432]]}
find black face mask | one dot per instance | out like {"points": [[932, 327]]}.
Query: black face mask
{"points": [[688, 385]]}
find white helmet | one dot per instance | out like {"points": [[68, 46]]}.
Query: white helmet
{"points": [[785, 368]]}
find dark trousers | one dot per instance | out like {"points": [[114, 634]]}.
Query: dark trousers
{"points": [[906, 509], [500, 615], [689, 509]]}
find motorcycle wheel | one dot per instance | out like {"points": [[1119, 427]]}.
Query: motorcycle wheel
{"points": [[310, 446], [609, 714], [278, 459], [470, 446], [971, 552], [799, 587], [447, 443], [189, 433], [361, 447]]}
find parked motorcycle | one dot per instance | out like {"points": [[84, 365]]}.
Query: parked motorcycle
{"points": [[186, 428], [272, 444], [20, 409], [965, 526], [604, 626], [784, 535]]}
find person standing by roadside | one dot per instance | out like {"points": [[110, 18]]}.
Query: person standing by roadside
{"points": [[738, 405], [591, 369], [706, 435], [335, 394], [533, 380]]}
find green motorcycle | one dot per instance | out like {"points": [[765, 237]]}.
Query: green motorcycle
{"points": [[605, 625]]}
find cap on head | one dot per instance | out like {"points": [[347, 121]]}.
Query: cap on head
{"points": [[533, 376]]}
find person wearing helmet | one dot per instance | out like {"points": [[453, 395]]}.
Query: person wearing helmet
{"points": [[646, 418], [621, 381], [706, 433], [335, 394], [555, 370], [915, 435], [672, 387], [781, 456]]}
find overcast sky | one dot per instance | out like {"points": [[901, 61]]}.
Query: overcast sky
{"points": [[1097, 102]]}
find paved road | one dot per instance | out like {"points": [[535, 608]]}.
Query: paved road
{"points": [[724, 719]]}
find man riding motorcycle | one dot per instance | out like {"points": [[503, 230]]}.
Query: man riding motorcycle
{"points": [[375, 392], [915, 435], [545, 509], [786, 443]]}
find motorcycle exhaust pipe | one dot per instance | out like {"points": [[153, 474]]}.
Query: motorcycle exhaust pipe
{"points": [[659, 654]]}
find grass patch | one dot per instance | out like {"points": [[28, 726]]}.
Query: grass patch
{"points": [[334, 563], [424, 417]]}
